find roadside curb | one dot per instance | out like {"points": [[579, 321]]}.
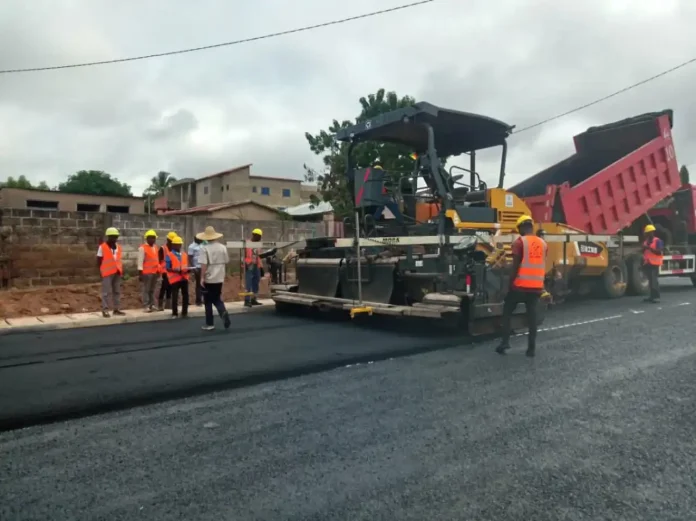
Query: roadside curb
{"points": [[45, 323]]}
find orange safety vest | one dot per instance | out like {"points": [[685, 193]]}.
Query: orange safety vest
{"points": [[151, 264], [654, 259], [533, 266], [173, 275], [251, 256], [111, 264], [165, 253]]}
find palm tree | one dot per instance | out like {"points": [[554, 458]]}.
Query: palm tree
{"points": [[159, 183]]}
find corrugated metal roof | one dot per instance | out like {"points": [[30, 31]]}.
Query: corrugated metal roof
{"points": [[309, 209]]}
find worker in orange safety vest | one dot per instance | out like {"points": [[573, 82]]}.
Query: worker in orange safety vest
{"points": [[149, 269], [177, 265], [110, 263], [653, 254], [253, 268], [526, 282], [165, 292]]}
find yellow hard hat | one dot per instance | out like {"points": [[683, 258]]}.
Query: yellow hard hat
{"points": [[171, 236], [177, 240], [111, 232], [151, 233], [257, 231], [524, 219], [649, 228]]}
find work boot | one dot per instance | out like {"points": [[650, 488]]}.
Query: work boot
{"points": [[118, 313], [247, 304], [105, 314], [531, 349], [226, 320], [502, 348], [255, 302]]}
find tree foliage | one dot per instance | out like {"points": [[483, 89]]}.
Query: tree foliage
{"points": [[332, 182], [24, 183], [158, 184], [95, 182]]}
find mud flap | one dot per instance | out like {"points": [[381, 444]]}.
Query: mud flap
{"points": [[377, 281], [318, 276]]}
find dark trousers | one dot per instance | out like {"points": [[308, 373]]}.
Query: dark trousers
{"points": [[652, 273], [176, 288], [198, 290], [212, 296], [530, 301], [165, 288], [252, 277]]}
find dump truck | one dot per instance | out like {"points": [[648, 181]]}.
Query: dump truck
{"points": [[622, 176], [449, 262]]}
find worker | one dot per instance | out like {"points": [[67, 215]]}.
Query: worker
{"points": [[177, 266], [165, 292], [253, 268], [213, 258], [110, 263], [149, 269], [526, 282], [653, 252], [194, 250]]}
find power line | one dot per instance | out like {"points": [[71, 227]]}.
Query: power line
{"points": [[595, 102], [224, 44]]}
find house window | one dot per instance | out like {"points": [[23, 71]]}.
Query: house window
{"points": [[228, 188], [286, 192], [42, 205], [265, 190], [253, 189], [85, 207], [117, 209], [205, 190]]}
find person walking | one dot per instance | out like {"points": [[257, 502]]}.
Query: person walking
{"points": [[194, 251], [526, 282], [653, 254], [165, 291], [149, 269], [177, 266], [213, 259], [110, 263]]}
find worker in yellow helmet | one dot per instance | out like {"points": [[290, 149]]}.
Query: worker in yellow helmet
{"points": [[527, 277], [110, 263], [253, 268], [653, 254], [149, 269], [165, 292]]}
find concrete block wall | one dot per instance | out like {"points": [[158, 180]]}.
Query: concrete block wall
{"points": [[44, 247]]}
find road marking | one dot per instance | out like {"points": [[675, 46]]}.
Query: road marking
{"points": [[637, 311], [573, 324], [684, 304]]}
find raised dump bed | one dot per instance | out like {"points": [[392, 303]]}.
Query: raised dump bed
{"points": [[618, 173]]}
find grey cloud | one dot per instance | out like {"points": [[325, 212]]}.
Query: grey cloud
{"points": [[193, 114]]}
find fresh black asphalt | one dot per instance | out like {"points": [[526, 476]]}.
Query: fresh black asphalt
{"points": [[599, 426]]}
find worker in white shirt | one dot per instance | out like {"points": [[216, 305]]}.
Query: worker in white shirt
{"points": [[194, 250]]}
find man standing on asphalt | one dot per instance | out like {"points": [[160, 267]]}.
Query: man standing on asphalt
{"points": [[653, 253], [253, 269], [110, 263], [194, 250], [165, 289], [526, 282], [149, 269], [177, 266], [213, 259]]}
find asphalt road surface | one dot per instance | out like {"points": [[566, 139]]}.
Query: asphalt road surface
{"points": [[599, 426]]}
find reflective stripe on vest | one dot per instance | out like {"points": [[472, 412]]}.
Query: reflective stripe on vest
{"points": [[151, 264], [533, 266], [251, 256], [654, 259], [110, 264], [175, 276]]}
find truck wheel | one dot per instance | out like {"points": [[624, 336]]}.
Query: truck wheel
{"points": [[613, 281], [637, 281]]}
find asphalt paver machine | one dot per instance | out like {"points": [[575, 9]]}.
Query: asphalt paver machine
{"points": [[444, 267]]}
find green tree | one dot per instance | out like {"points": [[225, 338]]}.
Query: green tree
{"points": [[684, 175], [43, 186], [394, 158], [20, 182], [158, 184], [94, 182]]}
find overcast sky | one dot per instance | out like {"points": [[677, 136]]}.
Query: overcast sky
{"points": [[195, 114]]}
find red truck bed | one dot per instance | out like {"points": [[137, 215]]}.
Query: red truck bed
{"points": [[618, 173]]}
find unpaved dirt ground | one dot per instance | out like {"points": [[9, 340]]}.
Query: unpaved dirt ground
{"points": [[81, 298]]}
